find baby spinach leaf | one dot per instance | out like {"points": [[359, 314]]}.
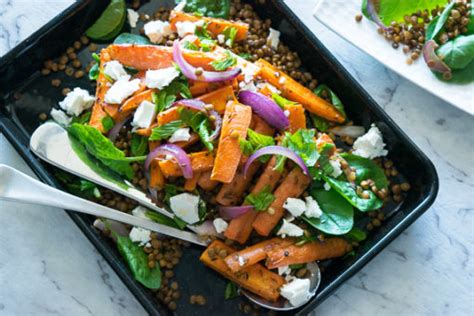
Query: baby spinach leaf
{"points": [[459, 52], [470, 25], [161, 219], [324, 89], [356, 235], [107, 123], [165, 131], [338, 214], [139, 145], [262, 200], [231, 291], [345, 189], [78, 186], [319, 123], [83, 118], [129, 38], [437, 24], [366, 169], [101, 148], [324, 165], [111, 21], [137, 261], [212, 8]]}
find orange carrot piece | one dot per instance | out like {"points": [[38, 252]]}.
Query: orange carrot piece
{"points": [[240, 228], [152, 144], [214, 26], [193, 140], [200, 161], [251, 255], [297, 117], [296, 92], [206, 183], [292, 186], [97, 115], [157, 180], [132, 103], [167, 116], [190, 184], [236, 121], [199, 88], [309, 252], [98, 112], [255, 278], [219, 98]]}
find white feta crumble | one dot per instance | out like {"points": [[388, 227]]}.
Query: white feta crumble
{"points": [[313, 210], [250, 86], [221, 38], [132, 16], [180, 6], [186, 207], [180, 135], [327, 186], [336, 165], [185, 27], [60, 117], [296, 291], [288, 229], [241, 261], [228, 42], [273, 38], [282, 80], [157, 30], [160, 78], [140, 235], [220, 225], [271, 87], [295, 206], [121, 89], [370, 145], [139, 211], [114, 69], [144, 115], [77, 101], [287, 113], [200, 23], [285, 270]]}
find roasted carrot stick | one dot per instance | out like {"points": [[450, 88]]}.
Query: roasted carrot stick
{"points": [[190, 184], [199, 88], [205, 181], [236, 121], [309, 252], [255, 278], [296, 92], [251, 255], [172, 114], [200, 161], [297, 117], [98, 113], [214, 26], [153, 144], [193, 140], [132, 103], [219, 98], [157, 180], [292, 186], [239, 228]]}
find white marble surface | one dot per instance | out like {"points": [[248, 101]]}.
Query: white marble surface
{"points": [[48, 267]]}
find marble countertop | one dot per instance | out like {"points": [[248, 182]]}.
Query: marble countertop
{"points": [[48, 267]]}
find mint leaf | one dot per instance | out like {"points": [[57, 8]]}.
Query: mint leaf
{"points": [[229, 32], [262, 200], [225, 63], [139, 145], [165, 131], [200, 124]]}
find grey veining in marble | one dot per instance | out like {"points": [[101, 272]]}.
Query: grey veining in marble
{"points": [[48, 267]]}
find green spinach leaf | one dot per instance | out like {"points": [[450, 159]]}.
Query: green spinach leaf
{"points": [[212, 8], [165, 131], [437, 24], [338, 214], [231, 291], [78, 186], [302, 143], [137, 261], [459, 52], [356, 235], [108, 123], [366, 169], [129, 38], [83, 118], [323, 89], [161, 219], [139, 145]]}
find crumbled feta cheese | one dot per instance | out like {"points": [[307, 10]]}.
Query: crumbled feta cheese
{"points": [[186, 207], [157, 30], [250, 86], [114, 70], [288, 229], [296, 291], [228, 42], [121, 89], [144, 115], [313, 210], [273, 38], [60, 117], [295, 206], [282, 80], [370, 145], [241, 261], [220, 225], [180, 6], [200, 23], [160, 78], [140, 235], [221, 38], [269, 86], [139, 211], [327, 186], [132, 16], [77, 101], [185, 27], [336, 165], [180, 135], [287, 113], [284, 270]]}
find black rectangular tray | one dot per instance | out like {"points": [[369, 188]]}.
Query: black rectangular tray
{"points": [[24, 94]]}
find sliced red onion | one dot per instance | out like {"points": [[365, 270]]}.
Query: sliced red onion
{"points": [[434, 62], [231, 212], [371, 10], [198, 105], [177, 152], [189, 71], [277, 150], [351, 131], [205, 229], [114, 131], [266, 108]]}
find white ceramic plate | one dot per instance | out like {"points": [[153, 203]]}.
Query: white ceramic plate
{"points": [[338, 15]]}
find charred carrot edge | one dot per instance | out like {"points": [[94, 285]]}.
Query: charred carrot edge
{"points": [[132, 103], [157, 180], [296, 92], [214, 26], [219, 98], [297, 117], [206, 183], [236, 121], [190, 184], [309, 252], [98, 113], [256, 278], [293, 185], [251, 255], [200, 161]]}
